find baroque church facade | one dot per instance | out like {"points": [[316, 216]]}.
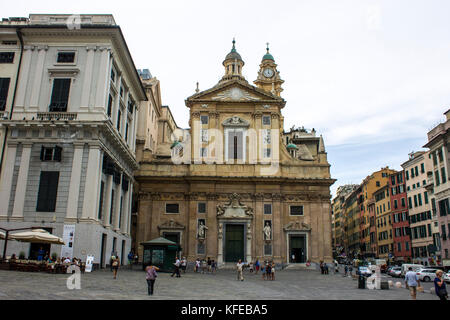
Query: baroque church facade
{"points": [[235, 185]]}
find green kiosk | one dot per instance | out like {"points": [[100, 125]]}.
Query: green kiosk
{"points": [[161, 253]]}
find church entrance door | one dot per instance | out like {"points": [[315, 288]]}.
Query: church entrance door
{"points": [[297, 248], [234, 242]]}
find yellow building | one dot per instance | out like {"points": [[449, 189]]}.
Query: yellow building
{"points": [[236, 186], [351, 224], [369, 186], [383, 220]]}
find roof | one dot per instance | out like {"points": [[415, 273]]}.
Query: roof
{"points": [[291, 146], [159, 241], [233, 53], [268, 56]]}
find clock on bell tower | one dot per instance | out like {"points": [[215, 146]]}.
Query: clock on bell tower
{"points": [[268, 76]]}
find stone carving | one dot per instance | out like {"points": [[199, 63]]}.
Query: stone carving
{"points": [[220, 231], [202, 230], [234, 94], [234, 208], [267, 231], [171, 224], [297, 226], [235, 121]]}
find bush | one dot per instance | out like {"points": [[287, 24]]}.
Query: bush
{"points": [[22, 255]]}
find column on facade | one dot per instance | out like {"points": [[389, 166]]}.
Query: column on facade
{"points": [[211, 223], [126, 228], [125, 210], [22, 182], [249, 240], [277, 227], [258, 237], [143, 221], [191, 232], [220, 243], [103, 78], [275, 138], [75, 178], [107, 201], [259, 133], [326, 229], [116, 106], [196, 125], [314, 212], [38, 75], [117, 206], [132, 131], [7, 178], [87, 81], [25, 71], [92, 185]]}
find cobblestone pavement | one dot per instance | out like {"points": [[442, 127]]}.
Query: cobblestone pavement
{"points": [[131, 284]]}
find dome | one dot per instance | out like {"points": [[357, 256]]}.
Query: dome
{"points": [[268, 56], [233, 54], [291, 146]]}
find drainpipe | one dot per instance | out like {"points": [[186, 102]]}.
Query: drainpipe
{"points": [[19, 35]]}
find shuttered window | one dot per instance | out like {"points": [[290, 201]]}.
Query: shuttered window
{"points": [[4, 87], [48, 188], [100, 206], [296, 210], [60, 95]]}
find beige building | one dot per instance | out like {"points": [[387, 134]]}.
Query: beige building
{"points": [[232, 189], [423, 221]]}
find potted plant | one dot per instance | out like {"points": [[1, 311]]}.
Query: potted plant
{"points": [[22, 255]]}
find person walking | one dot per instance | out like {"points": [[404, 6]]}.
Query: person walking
{"points": [[130, 259], [269, 271], [150, 276], [345, 270], [240, 267], [176, 270], [325, 267], [214, 266], [412, 282], [209, 265], [263, 270], [115, 266], [439, 286], [273, 270], [256, 266], [350, 270], [183, 264], [197, 265]]}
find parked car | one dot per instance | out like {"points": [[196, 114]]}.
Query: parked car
{"points": [[365, 271], [426, 274], [447, 277], [415, 267], [395, 272]]}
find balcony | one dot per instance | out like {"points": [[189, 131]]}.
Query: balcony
{"points": [[56, 116]]}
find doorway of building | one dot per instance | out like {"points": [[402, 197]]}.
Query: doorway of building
{"points": [[36, 247], [297, 249], [234, 242]]}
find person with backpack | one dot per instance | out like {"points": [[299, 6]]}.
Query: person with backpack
{"points": [[150, 276]]}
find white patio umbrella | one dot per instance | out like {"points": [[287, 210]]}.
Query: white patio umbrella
{"points": [[36, 235], [2, 235]]}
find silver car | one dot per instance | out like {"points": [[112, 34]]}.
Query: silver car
{"points": [[447, 277], [395, 272], [426, 274]]}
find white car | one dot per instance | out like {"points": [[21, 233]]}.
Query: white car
{"points": [[426, 274], [447, 277], [395, 272], [365, 271]]}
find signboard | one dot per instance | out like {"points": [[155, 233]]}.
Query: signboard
{"points": [[68, 237], [89, 263]]}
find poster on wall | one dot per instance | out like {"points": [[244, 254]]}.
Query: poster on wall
{"points": [[68, 237], [89, 263]]}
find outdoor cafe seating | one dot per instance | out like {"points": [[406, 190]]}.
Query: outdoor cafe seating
{"points": [[38, 266]]}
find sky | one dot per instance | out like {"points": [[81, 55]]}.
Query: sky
{"points": [[371, 76]]}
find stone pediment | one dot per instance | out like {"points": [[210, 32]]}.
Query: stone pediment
{"points": [[234, 209], [234, 90], [297, 226], [171, 224]]}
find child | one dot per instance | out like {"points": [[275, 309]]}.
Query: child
{"points": [[251, 267]]}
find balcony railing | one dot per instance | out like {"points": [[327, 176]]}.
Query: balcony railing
{"points": [[56, 116]]}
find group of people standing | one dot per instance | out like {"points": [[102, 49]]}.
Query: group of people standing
{"points": [[205, 265], [267, 269]]}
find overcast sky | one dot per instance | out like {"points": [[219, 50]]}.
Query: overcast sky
{"points": [[372, 76]]}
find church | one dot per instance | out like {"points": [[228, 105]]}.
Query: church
{"points": [[235, 185]]}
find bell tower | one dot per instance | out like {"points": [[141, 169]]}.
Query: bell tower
{"points": [[268, 76]]}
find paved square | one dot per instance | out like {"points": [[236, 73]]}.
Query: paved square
{"points": [[131, 284]]}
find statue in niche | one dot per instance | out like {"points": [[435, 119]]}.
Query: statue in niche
{"points": [[202, 230], [267, 231]]}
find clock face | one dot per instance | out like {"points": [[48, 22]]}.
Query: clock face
{"points": [[268, 72]]}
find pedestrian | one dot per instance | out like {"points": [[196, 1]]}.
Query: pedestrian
{"points": [[350, 269], [322, 269], [204, 265], [250, 267], [325, 268], [183, 264], [256, 266], [115, 266], [269, 271], [209, 265], [150, 276], [273, 271], [197, 265], [412, 282], [263, 270], [240, 267], [439, 286], [176, 269], [345, 270], [214, 266], [130, 259]]}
